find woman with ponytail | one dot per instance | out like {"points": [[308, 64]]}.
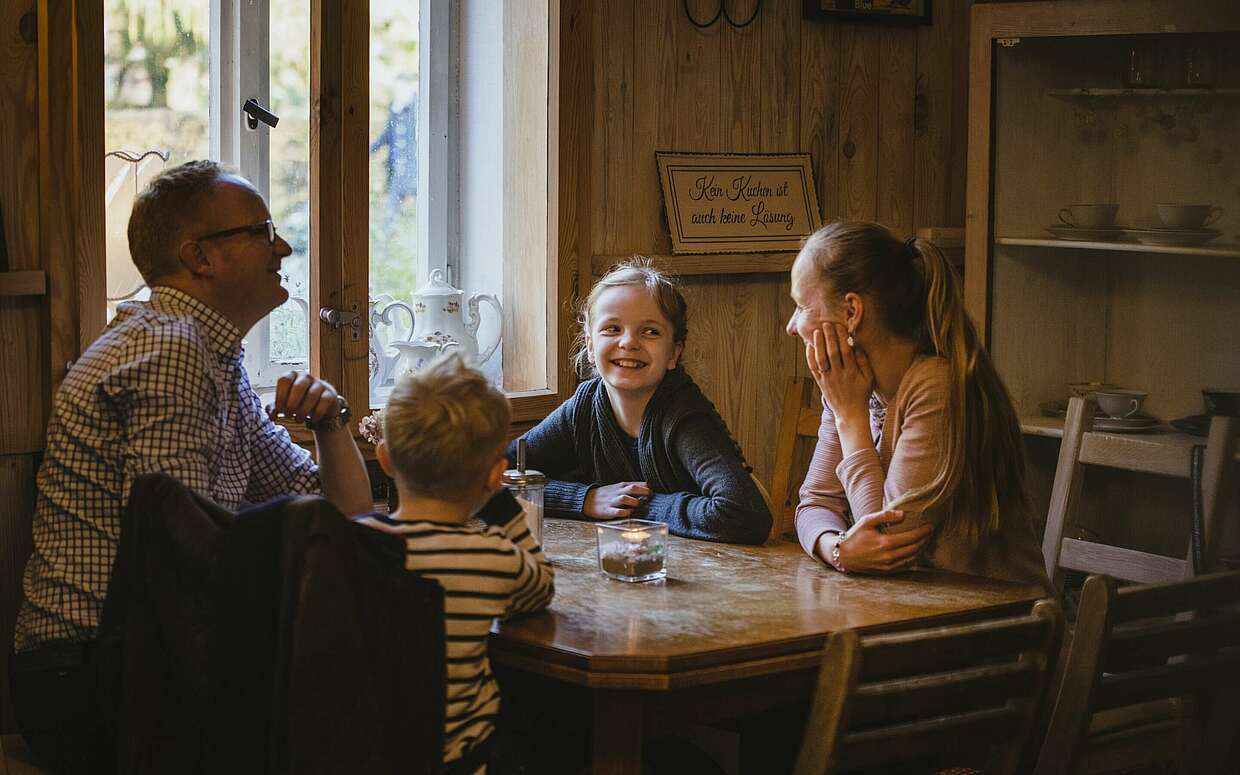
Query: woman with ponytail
{"points": [[919, 455]]}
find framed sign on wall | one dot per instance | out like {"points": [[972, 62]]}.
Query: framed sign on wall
{"points": [[738, 203], [887, 11]]}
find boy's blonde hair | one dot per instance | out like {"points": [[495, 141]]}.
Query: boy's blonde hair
{"points": [[444, 427]]}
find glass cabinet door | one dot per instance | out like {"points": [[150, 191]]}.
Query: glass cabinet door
{"points": [[1116, 219]]}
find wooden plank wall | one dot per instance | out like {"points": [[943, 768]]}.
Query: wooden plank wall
{"points": [[879, 108], [23, 389], [23, 366]]}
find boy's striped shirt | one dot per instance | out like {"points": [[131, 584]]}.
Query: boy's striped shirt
{"points": [[485, 573]]}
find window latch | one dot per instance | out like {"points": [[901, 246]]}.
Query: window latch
{"points": [[338, 319], [255, 113]]}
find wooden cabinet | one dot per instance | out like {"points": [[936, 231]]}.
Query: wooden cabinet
{"points": [[1132, 102]]}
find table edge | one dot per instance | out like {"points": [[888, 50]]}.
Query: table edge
{"points": [[678, 671]]}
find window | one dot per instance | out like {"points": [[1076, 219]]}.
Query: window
{"points": [[479, 124], [174, 78], [456, 131]]}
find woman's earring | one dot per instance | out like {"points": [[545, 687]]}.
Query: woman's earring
{"points": [[851, 342]]}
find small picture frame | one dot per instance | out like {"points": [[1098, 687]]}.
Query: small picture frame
{"points": [[881, 11]]}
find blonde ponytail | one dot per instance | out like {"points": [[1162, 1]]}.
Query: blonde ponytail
{"points": [[979, 482]]}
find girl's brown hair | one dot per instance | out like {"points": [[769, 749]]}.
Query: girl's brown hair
{"points": [[980, 481], [639, 271]]}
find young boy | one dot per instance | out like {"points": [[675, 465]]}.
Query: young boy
{"points": [[444, 430]]}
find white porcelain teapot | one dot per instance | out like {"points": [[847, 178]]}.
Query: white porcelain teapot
{"points": [[439, 322], [412, 356], [384, 331]]}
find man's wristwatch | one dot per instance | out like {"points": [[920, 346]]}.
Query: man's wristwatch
{"points": [[332, 422]]}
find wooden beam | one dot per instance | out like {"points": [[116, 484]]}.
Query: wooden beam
{"points": [[574, 126], [706, 264], [339, 190], [31, 282], [71, 228]]}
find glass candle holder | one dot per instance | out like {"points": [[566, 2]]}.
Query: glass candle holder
{"points": [[633, 549]]}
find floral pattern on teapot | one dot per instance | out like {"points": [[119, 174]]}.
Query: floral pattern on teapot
{"points": [[440, 313], [436, 324]]}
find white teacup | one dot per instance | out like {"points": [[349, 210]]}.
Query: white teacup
{"points": [[1087, 389], [1120, 403], [1180, 216], [1090, 216]]}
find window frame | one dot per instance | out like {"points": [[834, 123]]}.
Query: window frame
{"points": [[439, 183], [339, 80], [339, 51], [241, 69]]}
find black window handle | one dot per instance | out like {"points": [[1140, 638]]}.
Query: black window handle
{"points": [[255, 113]]}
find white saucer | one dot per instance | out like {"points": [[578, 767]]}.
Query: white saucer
{"points": [[1138, 424], [1176, 237], [1084, 234]]}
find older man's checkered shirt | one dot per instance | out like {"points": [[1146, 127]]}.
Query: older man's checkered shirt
{"points": [[162, 390]]}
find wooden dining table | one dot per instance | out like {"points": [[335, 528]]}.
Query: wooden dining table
{"points": [[732, 630]]}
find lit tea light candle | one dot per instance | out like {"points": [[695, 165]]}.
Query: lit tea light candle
{"points": [[632, 549]]}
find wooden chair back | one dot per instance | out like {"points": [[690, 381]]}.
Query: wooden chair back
{"points": [[958, 695], [17, 475], [15, 758], [799, 420], [766, 499], [1081, 447], [1136, 645]]}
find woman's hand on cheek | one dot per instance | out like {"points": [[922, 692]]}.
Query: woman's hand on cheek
{"points": [[843, 373], [614, 501], [868, 548]]}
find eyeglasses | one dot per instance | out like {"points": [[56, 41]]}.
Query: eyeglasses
{"points": [[266, 228]]}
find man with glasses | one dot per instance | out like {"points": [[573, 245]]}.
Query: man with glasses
{"points": [[163, 389]]}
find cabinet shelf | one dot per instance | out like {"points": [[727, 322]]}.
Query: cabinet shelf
{"points": [[1225, 250], [1142, 93], [32, 282], [1160, 451]]}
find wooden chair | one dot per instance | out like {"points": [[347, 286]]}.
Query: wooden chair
{"points": [[1080, 446], [15, 757], [1139, 648], [766, 498], [958, 695], [800, 418]]}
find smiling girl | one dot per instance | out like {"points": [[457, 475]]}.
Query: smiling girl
{"points": [[640, 439]]}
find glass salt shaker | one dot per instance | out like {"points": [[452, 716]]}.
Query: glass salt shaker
{"points": [[527, 486]]}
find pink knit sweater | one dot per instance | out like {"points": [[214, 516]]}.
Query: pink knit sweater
{"points": [[839, 490]]}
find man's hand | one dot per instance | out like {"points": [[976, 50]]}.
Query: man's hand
{"points": [[614, 501], [302, 396]]}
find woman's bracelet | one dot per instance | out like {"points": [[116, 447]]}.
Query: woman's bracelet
{"points": [[833, 551]]}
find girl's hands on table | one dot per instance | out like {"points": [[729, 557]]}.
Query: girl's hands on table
{"points": [[843, 374], [614, 501], [869, 548]]}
